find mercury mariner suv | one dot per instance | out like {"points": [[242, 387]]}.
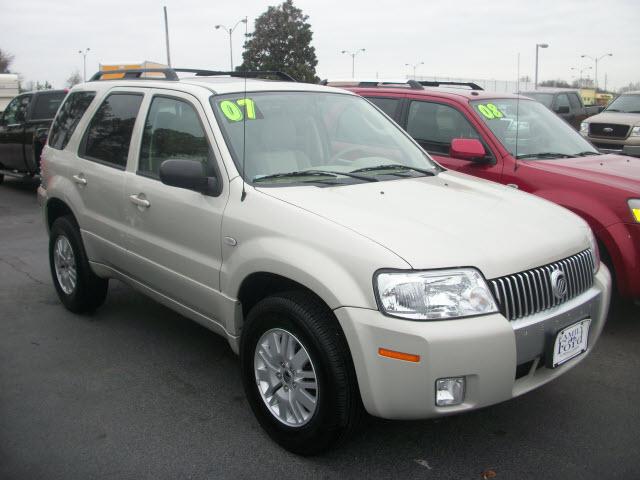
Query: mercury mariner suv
{"points": [[348, 270]]}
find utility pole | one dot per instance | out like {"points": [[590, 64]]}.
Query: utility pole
{"points": [[353, 59], [84, 63], [596, 60], [230, 32], [166, 36], [415, 65]]}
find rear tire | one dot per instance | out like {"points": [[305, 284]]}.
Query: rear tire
{"points": [[305, 427], [79, 289]]}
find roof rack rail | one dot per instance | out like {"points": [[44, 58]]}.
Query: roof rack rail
{"points": [[171, 74], [374, 84], [471, 85]]}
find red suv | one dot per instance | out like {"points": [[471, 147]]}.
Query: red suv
{"points": [[521, 143]]}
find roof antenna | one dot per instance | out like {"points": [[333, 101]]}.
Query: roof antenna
{"points": [[517, 114], [244, 125]]}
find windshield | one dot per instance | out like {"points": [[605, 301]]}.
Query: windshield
{"points": [[315, 137], [626, 104], [544, 98], [540, 133]]}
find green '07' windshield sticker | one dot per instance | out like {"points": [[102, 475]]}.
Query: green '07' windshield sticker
{"points": [[490, 111], [233, 109]]}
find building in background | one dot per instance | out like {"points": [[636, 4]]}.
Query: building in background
{"points": [[9, 88]]}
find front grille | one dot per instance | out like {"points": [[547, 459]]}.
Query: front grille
{"points": [[612, 130], [529, 292], [608, 146]]}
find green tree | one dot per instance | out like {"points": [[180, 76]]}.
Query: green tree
{"points": [[281, 41], [5, 61]]}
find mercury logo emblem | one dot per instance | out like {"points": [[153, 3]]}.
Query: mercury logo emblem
{"points": [[607, 129], [558, 283]]}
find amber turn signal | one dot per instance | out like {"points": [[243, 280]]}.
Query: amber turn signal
{"points": [[407, 357]]}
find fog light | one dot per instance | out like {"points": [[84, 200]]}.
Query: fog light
{"points": [[449, 391]]}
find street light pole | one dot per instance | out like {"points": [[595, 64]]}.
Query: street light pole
{"points": [[416, 65], [84, 63], [353, 59], [538, 46], [596, 60], [230, 32]]}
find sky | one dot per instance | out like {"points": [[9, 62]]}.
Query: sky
{"points": [[467, 39]]}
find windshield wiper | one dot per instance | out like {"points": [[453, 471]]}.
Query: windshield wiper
{"points": [[587, 153], [312, 173], [394, 166], [612, 110], [545, 155]]}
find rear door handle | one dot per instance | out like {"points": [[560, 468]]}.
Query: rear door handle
{"points": [[79, 179], [140, 202]]}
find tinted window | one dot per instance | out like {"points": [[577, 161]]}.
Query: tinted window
{"points": [[387, 105], [562, 101], [109, 133], [625, 103], [545, 98], [434, 125], [575, 101], [47, 105], [172, 130], [9, 116], [68, 117]]}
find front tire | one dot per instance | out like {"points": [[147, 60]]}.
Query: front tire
{"points": [[79, 289], [298, 373]]}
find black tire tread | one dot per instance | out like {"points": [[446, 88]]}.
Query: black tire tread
{"points": [[91, 290]]}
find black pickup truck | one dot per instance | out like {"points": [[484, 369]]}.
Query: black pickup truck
{"points": [[567, 104], [24, 126]]}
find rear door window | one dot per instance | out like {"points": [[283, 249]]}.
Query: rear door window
{"points": [[108, 136], [46, 105], [390, 106], [68, 117], [434, 125], [562, 101], [575, 102], [172, 131]]}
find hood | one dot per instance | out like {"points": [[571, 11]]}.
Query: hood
{"points": [[614, 171], [620, 118], [450, 220]]}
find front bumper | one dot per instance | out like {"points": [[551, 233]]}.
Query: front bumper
{"points": [[489, 351]]}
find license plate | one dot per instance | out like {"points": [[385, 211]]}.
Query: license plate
{"points": [[571, 342]]}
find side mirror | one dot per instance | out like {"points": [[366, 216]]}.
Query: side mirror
{"points": [[467, 149], [188, 174], [562, 110]]}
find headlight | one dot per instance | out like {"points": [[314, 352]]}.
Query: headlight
{"points": [[584, 128], [433, 294], [634, 205], [635, 132], [595, 252]]}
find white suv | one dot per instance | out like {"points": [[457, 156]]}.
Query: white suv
{"points": [[348, 270]]}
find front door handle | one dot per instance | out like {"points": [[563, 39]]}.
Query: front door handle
{"points": [[513, 185], [79, 179], [139, 201]]}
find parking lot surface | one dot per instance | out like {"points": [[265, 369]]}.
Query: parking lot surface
{"points": [[137, 391]]}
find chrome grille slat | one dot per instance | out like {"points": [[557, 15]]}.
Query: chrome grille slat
{"points": [[526, 293]]}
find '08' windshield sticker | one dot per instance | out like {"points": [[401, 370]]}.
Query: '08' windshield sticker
{"points": [[233, 109], [490, 111]]}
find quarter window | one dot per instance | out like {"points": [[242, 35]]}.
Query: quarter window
{"points": [[434, 125], [387, 105], [172, 131], [68, 117], [109, 134]]}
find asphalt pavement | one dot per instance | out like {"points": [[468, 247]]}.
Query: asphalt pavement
{"points": [[136, 391]]}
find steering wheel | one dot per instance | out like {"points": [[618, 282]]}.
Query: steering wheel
{"points": [[335, 159]]}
